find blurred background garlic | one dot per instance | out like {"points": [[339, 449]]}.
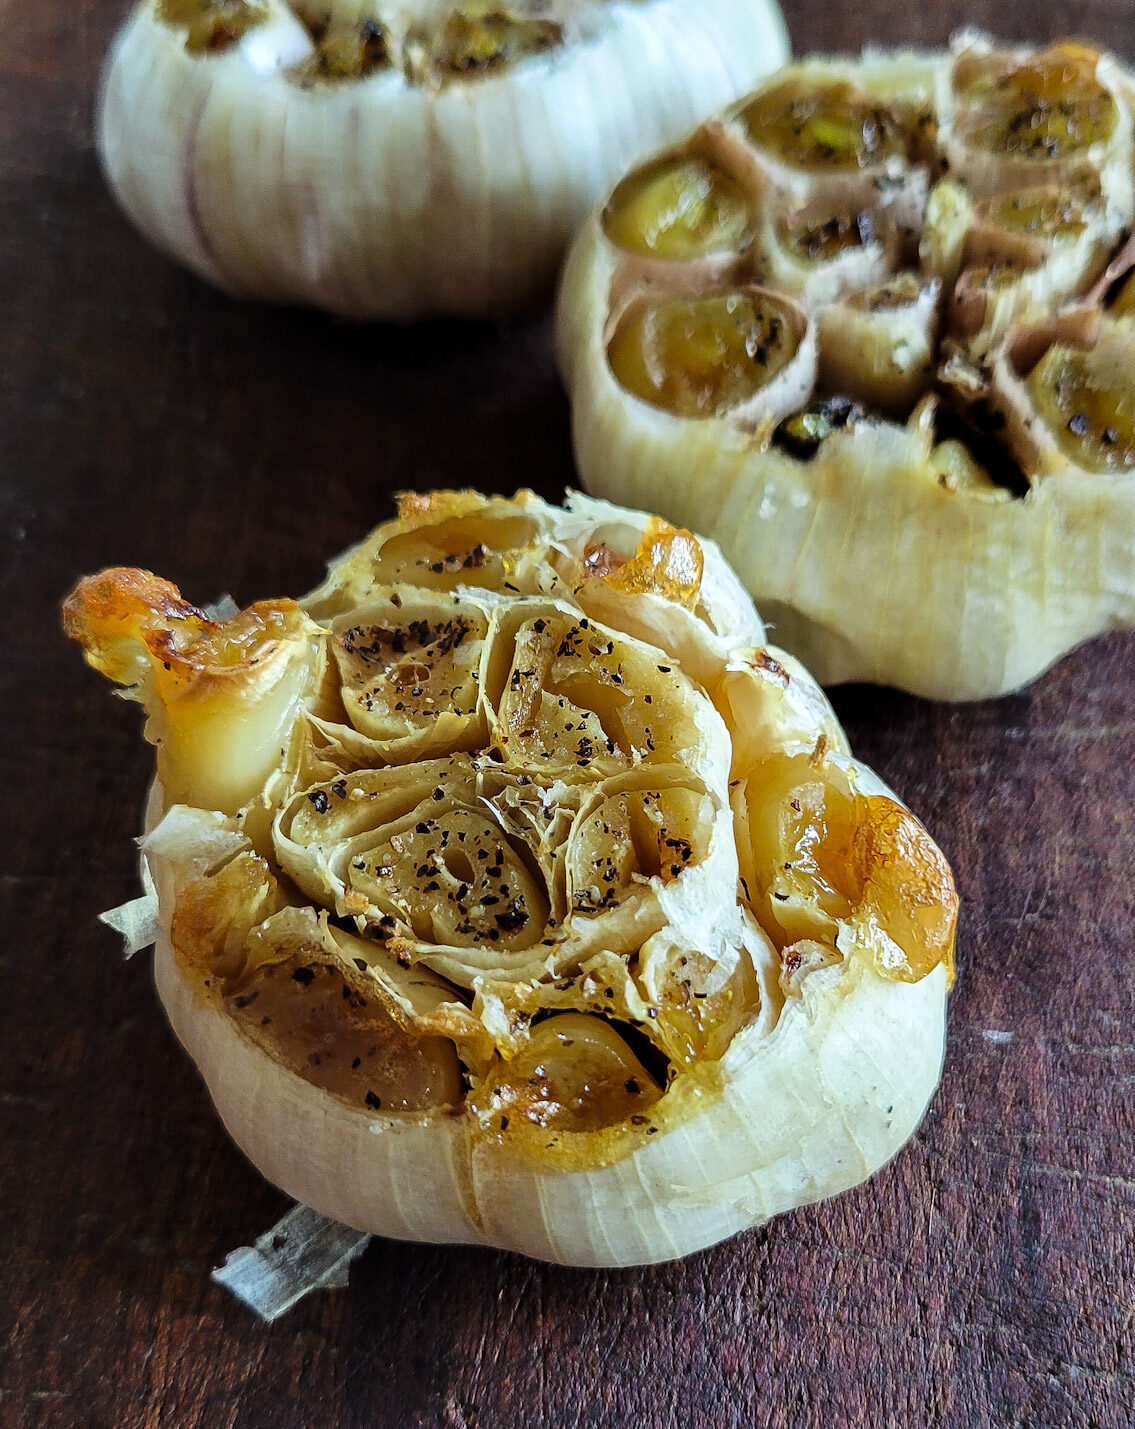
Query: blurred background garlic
{"points": [[511, 889], [403, 159], [871, 329]]}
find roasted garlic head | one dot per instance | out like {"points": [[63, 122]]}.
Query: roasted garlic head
{"points": [[867, 330], [511, 889], [403, 158]]}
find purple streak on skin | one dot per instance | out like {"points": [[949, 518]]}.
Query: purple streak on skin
{"points": [[193, 207]]}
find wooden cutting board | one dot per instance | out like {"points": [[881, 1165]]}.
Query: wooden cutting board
{"points": [[987, 1277]]}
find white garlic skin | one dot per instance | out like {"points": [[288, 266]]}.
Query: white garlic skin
{"points": [[378, 198], [803, 1112]]}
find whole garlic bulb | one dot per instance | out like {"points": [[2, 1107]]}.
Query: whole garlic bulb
{"points": [[943, 496], [511, 889], [403, 158]]}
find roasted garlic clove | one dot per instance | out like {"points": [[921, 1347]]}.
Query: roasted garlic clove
{"points": [[819, 253], [893, 505], [818, 134], [510, 963], [391, 161], [743, 352], [1026, 252], [221, 697], [681, 208], [817, 855], [409, 672], [1062, 390], [879, 344]]}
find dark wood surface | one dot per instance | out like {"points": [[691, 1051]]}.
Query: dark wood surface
{"points": [[987, 1277]]}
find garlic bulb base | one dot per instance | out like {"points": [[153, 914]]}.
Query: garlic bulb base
{"points": [[432, 1179]]}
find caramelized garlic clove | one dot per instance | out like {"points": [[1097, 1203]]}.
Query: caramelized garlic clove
{"points": [[669, 588], [451, 539], [830, 866], [1085, 404], [576, 1074], [421, 853], [816, 124], [212, 25], [348, 45], [476, 39], [1026, 251], [1012, 119], [819, 253], [680, 208], [1055, 387], [821, 137], [409, 669], [221, 697], [748, 353], [308, 1016], [568, 697], [878, 345], [1047, 106]]}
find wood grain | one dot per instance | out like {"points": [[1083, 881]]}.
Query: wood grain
{"points": [[987, 1277]]}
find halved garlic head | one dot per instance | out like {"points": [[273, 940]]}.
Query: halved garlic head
{"points": [[400, 161], [509, 882], [842, 375]]}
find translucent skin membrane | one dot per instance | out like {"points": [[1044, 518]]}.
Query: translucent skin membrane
{"points": [[529, 859], [948, 238]]}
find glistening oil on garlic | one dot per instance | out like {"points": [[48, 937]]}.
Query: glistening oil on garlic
{"points": [[512, 888], [921, 467], [402, 159]]}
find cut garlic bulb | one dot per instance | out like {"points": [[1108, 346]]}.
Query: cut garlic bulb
{"points": [[403, 158], [547, 908], [934, 488]]}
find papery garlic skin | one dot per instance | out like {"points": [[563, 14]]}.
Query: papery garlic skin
{"points": [[929, 528], [406, 192], [510, 976], [721, 1171]]}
